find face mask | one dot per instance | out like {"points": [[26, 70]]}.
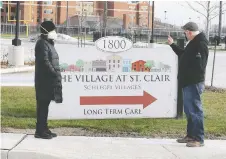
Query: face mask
{"points": [[51, 35]]}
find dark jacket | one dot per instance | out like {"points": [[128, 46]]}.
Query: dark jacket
{"points": [[48, 78], [192, 60]]}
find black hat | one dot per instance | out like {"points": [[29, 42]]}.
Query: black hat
{"points": [[191, 26], [48, 26]]}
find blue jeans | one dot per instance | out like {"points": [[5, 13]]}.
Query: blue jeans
{"points": [[194, 111]]}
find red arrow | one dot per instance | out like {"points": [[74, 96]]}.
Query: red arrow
{"points": [[146, 100]]}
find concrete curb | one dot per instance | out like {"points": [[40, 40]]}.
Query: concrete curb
{"points": [[18, 69]]}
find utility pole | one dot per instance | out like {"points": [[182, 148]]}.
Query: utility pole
{"points": [[56, 13], [105, 16], [220, 19]]}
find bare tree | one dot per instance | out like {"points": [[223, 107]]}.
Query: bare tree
{"points": [[224, 29], [210, 11], [101, 15], [215, 27], [82, 17], [93, 24]]}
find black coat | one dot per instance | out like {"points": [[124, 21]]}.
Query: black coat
{"points": [[48, 80], [192, 60]]}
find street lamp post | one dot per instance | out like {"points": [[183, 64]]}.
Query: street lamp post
{"points": [[17, 41], [198, 21], [148, 22], [165, 14], [152, 30], [16, 51], [165, 18]]}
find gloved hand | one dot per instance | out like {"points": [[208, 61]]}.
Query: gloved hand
{"points": [[58, 98]]}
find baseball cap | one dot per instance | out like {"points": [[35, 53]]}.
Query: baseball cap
{"points": [[191, 26]]}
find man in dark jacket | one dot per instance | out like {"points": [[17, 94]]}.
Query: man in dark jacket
{"points": [[191, 76], [48, 78]]}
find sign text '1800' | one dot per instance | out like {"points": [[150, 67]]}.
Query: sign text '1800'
{"points": [[114, 44]]}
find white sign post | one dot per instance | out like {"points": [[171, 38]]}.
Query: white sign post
{"points": [[103, 83]]}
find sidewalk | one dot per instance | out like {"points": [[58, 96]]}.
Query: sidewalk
{"points": [[18, 69], [22, 146]]}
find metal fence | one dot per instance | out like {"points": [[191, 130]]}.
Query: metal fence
{"points": [[135, 34], [7, 28]]}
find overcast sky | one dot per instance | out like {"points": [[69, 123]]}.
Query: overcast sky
{"points": [[177, 14]]}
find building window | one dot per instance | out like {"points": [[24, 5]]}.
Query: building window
{"points": [[130, 2], [13, 9], [118, 61], [113, 61], [12, 17], [118, 66], [48, 11], [48, 2]]}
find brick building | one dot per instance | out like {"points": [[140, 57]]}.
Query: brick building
{"points": [[133, 13], [38, 11]]}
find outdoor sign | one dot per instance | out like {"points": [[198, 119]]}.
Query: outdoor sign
{"points": [[100, 82]]}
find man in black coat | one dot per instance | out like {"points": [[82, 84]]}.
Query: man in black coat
{"points": [[48, 78], [191, 75]]}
